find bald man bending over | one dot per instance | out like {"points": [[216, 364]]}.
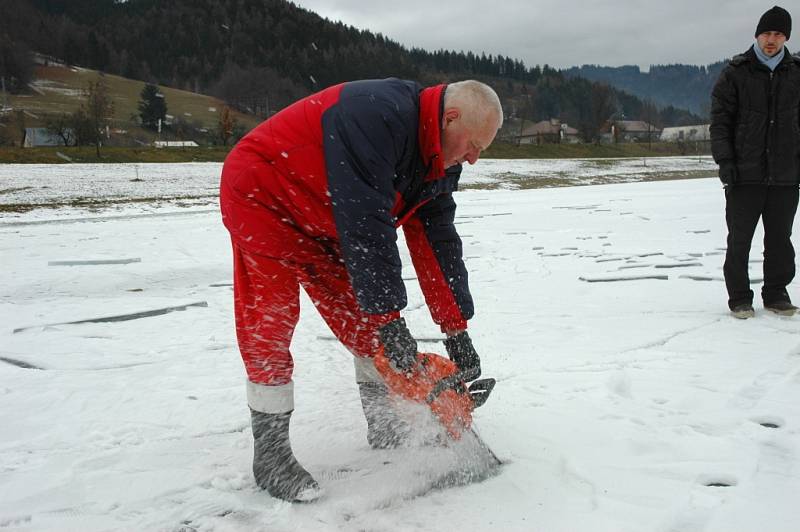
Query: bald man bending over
{"points": [[313, 197]]}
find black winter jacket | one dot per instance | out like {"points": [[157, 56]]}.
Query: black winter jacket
{"points": [[755, 120]]}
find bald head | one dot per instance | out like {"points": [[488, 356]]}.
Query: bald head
{"points": [[472, 115], [477, 102]]}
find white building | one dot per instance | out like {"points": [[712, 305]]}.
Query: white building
{"points": [[41, 136], [175, 144], [686, 133], [548, 131]]}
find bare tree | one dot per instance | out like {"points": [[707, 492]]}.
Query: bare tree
{"points": [[602, 107], [226, 124], [61, 126], [526, 111], [651, 116], [82, 128], [5, 132], [99, 109], [19, 116]]}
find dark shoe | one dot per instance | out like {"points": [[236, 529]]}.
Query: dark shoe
{"points": [[274, 465], [385, 429], [743, 311], [782, 308]]}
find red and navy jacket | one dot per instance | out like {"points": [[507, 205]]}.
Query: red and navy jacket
{"points": [[347, 166]]}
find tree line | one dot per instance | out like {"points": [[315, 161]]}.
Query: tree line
{"points": [[260, 55]]}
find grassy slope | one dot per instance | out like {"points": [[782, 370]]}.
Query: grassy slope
{"points": [[59, 91]]}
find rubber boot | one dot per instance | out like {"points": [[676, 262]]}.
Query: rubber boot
{"points": [[274, 465], [385, 429]]}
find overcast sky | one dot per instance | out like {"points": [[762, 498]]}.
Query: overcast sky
{"points": [[563, 33]]}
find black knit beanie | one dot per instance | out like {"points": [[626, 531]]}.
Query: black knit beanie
{"points": [[776, 19]]}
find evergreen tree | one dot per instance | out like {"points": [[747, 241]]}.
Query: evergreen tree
{"points": [[16, 65], [152, 106]]}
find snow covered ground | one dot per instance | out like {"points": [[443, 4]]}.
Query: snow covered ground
{"points": [[93, 187], [620, 406]]}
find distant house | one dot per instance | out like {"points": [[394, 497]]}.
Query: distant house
{"points": [[632, 131], [548, 132], [686, 133], [175, 144], [40, 136]]}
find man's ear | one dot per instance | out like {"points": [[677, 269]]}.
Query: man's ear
{"points": [[450, 114]]}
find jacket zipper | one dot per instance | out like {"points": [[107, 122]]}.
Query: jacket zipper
{"points": [[771, 108]]}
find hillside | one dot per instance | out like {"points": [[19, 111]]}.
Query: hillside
{"points": [[682, 86], [262, 55], [59, 89]]}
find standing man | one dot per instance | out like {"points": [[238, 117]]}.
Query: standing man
{"points": [[755, 139], [313, 197]]}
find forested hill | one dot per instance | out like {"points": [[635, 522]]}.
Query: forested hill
{"points": [[263, 54], [682, 86]]}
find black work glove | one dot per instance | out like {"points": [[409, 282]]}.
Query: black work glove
{"points": [[727, 173], [460, 350], [398, 345]]}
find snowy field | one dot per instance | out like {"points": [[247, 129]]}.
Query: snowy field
{"points": [[632, 405], [94, 187]]}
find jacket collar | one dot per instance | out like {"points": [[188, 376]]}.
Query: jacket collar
{"points": [[787, 56], [431, 104], [750, 55]]}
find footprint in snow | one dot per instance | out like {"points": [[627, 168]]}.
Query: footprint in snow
{"points": [[769, 422], [718, 481]]}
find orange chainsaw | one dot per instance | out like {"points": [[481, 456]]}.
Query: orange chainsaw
{"points": [[437, 382]]}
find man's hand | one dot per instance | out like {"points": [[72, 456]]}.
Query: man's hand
{"points": [[727, 173], [398, 345], [460, 350]]}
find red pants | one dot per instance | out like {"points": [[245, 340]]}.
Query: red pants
{"points": [[267, 307]]}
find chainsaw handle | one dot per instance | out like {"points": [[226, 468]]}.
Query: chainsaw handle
{"points": [[480, 390], [454, 381]]}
